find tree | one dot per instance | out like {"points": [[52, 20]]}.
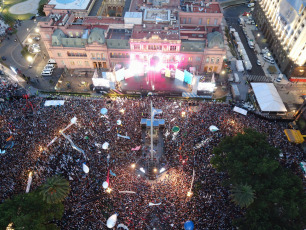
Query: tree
{"points": [[242, 195], [29, 212], [55, 189], [280, 201]]}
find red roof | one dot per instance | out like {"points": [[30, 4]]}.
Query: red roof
{"points": [[212, 8], [102, 20]]}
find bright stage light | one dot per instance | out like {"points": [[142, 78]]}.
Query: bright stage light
{"points": [[133, 166], [155, 170], [183, 114], [189, 194], [206, 86], [135, 68], [162, 170], [142, 170]]}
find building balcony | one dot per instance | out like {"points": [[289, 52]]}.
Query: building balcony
{"points": [[99, 59], [119, 56], [76, 55]]}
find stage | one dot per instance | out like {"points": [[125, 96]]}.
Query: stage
{"points": [[154, 82]]}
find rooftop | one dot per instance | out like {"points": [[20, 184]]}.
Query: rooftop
{"points": [[152, 29], [122, 34], [204, 8], [168, 4], [70, 4], [102, 20]]}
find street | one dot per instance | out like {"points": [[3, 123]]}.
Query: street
{"points": [[231, 16]]}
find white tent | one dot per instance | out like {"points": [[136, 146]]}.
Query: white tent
{"points": [[54, 102], [239, 66], [268, 98], [240, 110]]}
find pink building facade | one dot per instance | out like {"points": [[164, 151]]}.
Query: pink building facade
{"points": [[190, 37]]}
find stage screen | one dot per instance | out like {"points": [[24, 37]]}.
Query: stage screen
{"points": [[187, 77], [179, 75], [120, 74], [101, 82]]}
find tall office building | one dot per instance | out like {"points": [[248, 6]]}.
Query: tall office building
{"points": [[283, 25]]}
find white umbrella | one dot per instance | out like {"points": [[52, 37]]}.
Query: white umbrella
{"points": [[104, 111], [119, 122], [105, 185], [122, 226], [73, 120], [85, 168], [111, 222], [105, 145], [213, 128]]}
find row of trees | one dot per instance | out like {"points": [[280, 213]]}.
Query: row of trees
{"points": [[40, 209], [272, 196]]}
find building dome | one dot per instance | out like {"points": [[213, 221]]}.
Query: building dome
{"points": [[215, 39], [97, 35]]}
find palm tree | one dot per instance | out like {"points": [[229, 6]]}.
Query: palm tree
{"points": [[55, 189], [242, 195]]}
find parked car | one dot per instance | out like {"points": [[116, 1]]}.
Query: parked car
{"points": [[1, 72], [32, 18], [258, 62], [3, 58], [250, 5], [36, 38], [279, 78]]}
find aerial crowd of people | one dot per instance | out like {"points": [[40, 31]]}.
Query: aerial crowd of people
{"points": [[89, 205]]}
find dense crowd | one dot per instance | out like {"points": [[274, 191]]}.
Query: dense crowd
{"points": [[88, 206]]}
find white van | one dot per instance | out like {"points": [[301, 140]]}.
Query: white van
{"points": [[268, 59], [236, 77], [49, 66], [51, 61], [251, 4], [251, 44], [279, 78], [46, 72]]}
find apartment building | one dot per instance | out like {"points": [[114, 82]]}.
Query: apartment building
{"points": [[283, 23]]}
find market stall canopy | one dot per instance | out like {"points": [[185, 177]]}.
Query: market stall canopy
{"points": [[268, 98]]}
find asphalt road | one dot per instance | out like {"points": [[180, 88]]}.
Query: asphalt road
{"points": [[12, 51], [231, 16]]}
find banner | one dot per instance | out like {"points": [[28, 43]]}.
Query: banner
{"points": [[120, 74], [179, 75]]}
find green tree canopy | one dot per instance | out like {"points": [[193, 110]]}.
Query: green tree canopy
{"points": [[29, 212], [249, 159], [55, 189], [242, 195]]}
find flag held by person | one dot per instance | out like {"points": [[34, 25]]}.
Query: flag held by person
{"points": [[113, 174], [136, 148]]}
